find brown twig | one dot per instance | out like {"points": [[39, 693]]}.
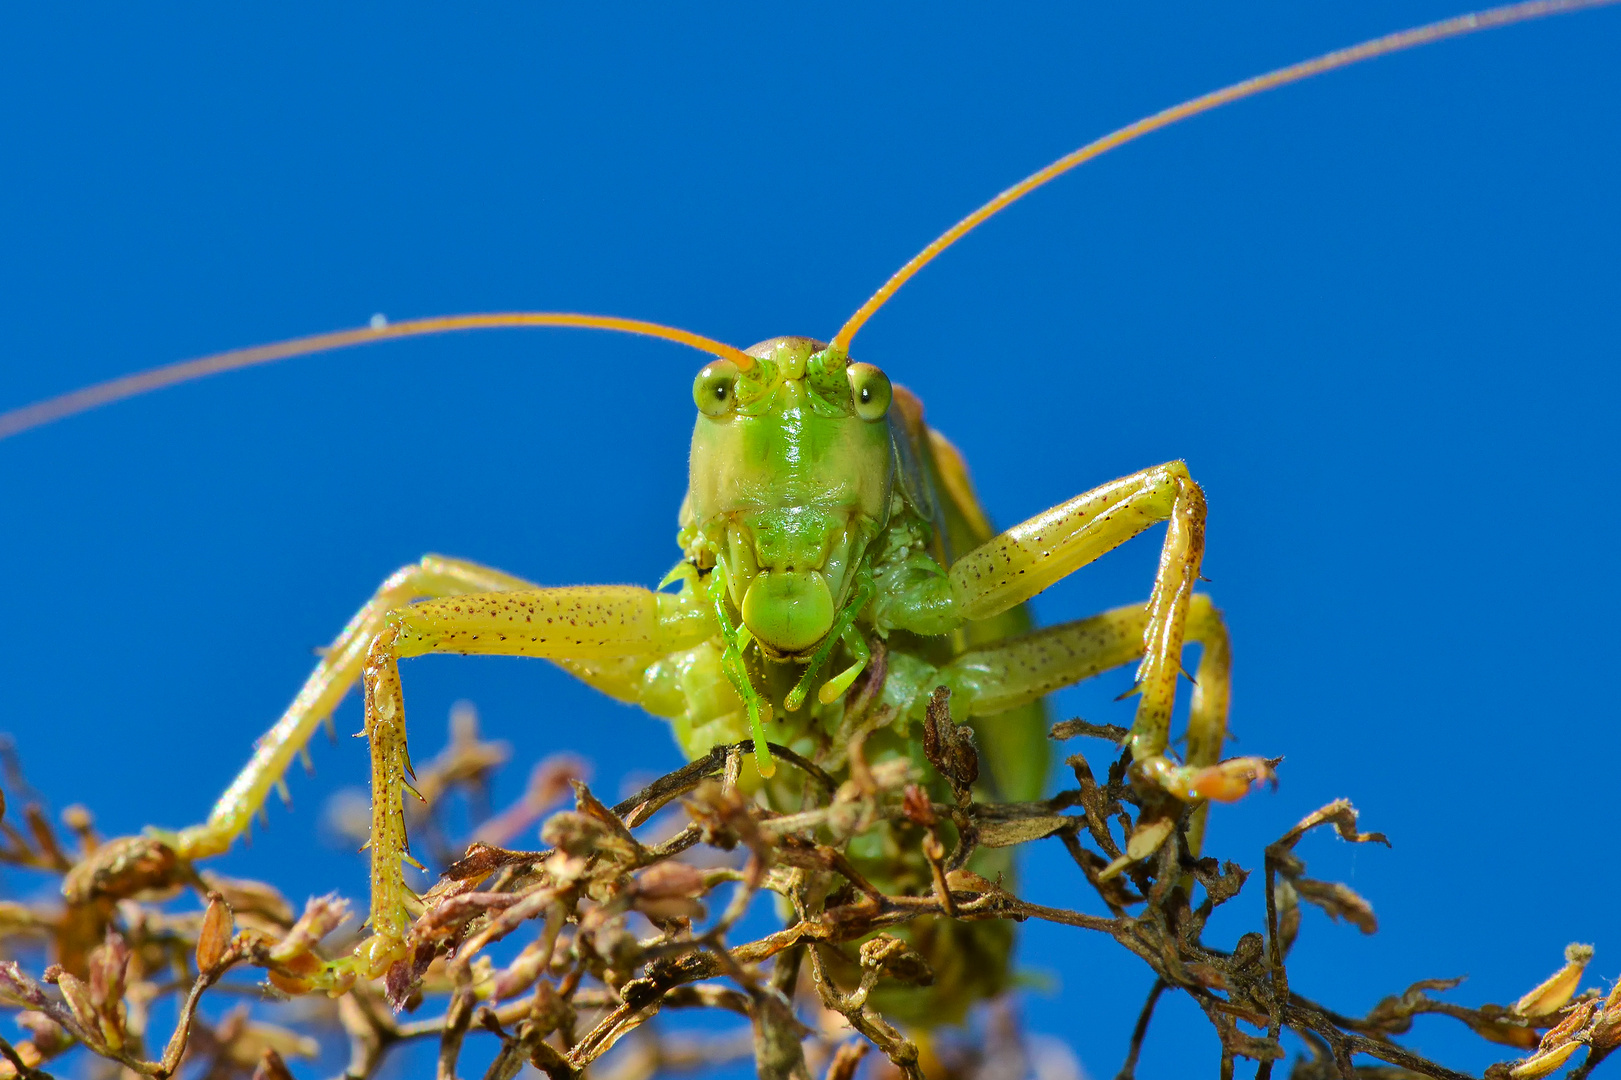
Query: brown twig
{"points": [[1128, 1070], [587, 981]]}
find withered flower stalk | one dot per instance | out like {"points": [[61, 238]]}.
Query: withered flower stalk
{"points": [[632, 910]]}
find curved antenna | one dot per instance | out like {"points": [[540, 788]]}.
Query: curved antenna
{"points": [[1406, 39], [32, 416]]}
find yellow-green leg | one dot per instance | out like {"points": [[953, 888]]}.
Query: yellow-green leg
{"points": [[999, 677], [995, 678], [576, 623], [1015, 565], [340, 667]]}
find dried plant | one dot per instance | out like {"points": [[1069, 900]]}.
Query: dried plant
{"points": [[635, 909]]}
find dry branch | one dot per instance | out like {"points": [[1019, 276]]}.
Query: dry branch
{"points": [[619, 924]]}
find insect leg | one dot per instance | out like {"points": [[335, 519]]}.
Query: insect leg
{"points": [[1015, 565], [585, 622], [992, 679], [340, 666]]}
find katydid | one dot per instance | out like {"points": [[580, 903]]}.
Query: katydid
{"points": [[828, 535]]}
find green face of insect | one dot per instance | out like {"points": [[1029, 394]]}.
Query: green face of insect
{"points": [[790, 481]]}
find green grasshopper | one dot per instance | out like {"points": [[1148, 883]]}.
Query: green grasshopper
{"points": [[828, 534]]}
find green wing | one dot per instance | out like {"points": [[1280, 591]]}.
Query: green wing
{"points": [[934, 479]]}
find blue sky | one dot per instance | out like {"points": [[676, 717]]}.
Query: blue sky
{"points": [[1377, 313]]}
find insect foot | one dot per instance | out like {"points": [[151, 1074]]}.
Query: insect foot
{"points": [[378, 953], [1226, 781]]}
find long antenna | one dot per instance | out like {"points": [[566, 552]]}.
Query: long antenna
{"points": [[1406, 39], [128, 386]]}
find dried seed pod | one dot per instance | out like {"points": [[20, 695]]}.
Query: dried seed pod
{"points": [[1011, 831], [83, 1007], [1606, 1033], [1208, 976], [214, 938], [1542, 1062], [1145, 839], [1566, 1029], [549, 1010], [889, 955], [17, 988], [46, 1034], [949, 746], [670, 890], [968, 881], [1555, 992], [917, 807], [579, 834], [1249, 953], [479, 861], [108, 963], [122, 868], [1506, 1034], [670, 879]]}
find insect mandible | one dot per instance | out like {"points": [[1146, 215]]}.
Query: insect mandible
{"points": [[901, 373]]}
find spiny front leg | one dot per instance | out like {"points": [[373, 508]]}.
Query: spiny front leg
{"points": [[390, 764], [1012, 567], [573, 623], [337, 671], [1183, 503], [103, 874], [994, 678]]}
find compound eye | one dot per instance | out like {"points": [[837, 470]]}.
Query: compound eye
{"points": [[714, 391], [870, 389]]}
